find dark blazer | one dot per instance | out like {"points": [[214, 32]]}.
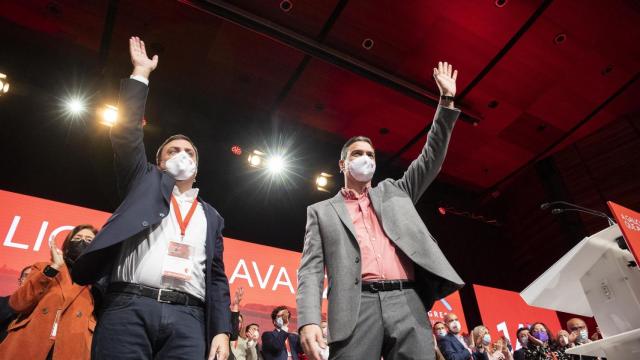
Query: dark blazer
{"points": [[452, 349], [274, 348], [146, 192], [518, 354]]}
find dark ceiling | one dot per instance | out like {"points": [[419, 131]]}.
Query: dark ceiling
{"points": [[534, 77]]}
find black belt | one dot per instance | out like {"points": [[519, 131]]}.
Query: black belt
{"points": [[160, 295], [386, 285]]}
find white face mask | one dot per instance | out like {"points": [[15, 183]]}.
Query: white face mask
{"points": [[362, 168], [279, 322], [181, 166], [584, 335], [486, 339], [441, 332], [524, 340], [454, 326]]}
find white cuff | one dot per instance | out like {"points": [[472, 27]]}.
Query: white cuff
{"points": [[142, 79]]}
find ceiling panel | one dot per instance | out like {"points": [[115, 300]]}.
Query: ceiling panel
{"points": [[340, 102], [306, 17]]}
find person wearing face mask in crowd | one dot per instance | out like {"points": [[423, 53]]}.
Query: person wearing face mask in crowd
{"points": [[55, 316], [453, 345], [439, 330], [384, 268], [540, 343], [7, 315], [562, 344], [280, 344], [483, 347], [578, 335], [159, 257], [523, 339]]}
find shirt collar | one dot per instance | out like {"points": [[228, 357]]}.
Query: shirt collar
{"points": [[350, 194], [188, 195]]}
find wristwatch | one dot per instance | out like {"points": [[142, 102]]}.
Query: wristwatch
{"points": [[50, 272], [446, 98]]}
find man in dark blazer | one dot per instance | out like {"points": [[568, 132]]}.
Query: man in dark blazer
{"points": [[452, 346], [159, 256], [280, 344], [523, 339], [383, 266]]}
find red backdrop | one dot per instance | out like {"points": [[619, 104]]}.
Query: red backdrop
{"points": [[503, 312], [267, 274]]}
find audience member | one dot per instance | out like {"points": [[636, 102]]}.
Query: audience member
{"points": [[55, 316], [453, 345], [280, 344]]}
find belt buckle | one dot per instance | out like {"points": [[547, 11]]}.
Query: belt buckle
{"points": [[373, 287], [158, 299]]}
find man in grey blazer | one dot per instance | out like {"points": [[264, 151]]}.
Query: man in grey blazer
{"points": [[384, 268]]}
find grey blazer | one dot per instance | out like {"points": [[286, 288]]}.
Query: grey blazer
{"points": [[330, 243]]}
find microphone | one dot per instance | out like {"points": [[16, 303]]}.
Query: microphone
{"points": [[590, 212]]}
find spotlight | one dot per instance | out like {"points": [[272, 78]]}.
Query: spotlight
{"points": [[256, 158], [4, 84], [109, 115], [442, 210], [322, 182], [236, 150], [75, 106], [276, 164]]}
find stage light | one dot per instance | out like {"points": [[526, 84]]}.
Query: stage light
{"points": [[236, 150], [442, 210], [109, 115], [4, 84], [322, 182], [276, 164], [256, 158], [75, 106]]}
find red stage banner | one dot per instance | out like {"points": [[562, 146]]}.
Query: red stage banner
{"points": [[503, 312], [629, 222], [267, 274]]}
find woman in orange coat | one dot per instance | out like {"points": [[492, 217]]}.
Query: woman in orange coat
{"points": [[55, 318]]}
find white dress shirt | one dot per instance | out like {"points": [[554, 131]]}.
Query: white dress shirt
{"points": [[141, 259]]}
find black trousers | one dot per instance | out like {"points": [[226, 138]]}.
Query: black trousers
{"points": [[136, 327]]}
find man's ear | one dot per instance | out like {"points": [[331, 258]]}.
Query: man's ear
{"points": [[341, 165]]}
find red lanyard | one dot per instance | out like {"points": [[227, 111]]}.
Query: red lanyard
{"points": [[183, 223]]}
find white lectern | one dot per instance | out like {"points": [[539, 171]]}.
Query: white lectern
{"points": [[594, 279]]}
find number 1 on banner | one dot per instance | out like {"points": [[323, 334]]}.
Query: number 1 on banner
{"points": [[503, 327]]}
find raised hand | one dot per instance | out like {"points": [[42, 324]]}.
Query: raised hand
{"points": [[57, 260], [237, 298], [142, 65], [445, 78]]}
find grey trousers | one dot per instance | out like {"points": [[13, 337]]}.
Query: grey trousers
{"points": [[392, 325]]}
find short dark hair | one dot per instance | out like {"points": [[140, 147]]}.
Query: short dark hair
{"points": [[345, 147], [521, 330], [246, 329], [170, 139], [438, 322], [275, 311]]}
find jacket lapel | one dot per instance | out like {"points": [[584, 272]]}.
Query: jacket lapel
{"points": [[167, 186], [337, 202], [376, 202]]}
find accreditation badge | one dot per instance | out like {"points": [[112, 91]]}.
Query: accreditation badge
{"points": [[177, 261]]}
